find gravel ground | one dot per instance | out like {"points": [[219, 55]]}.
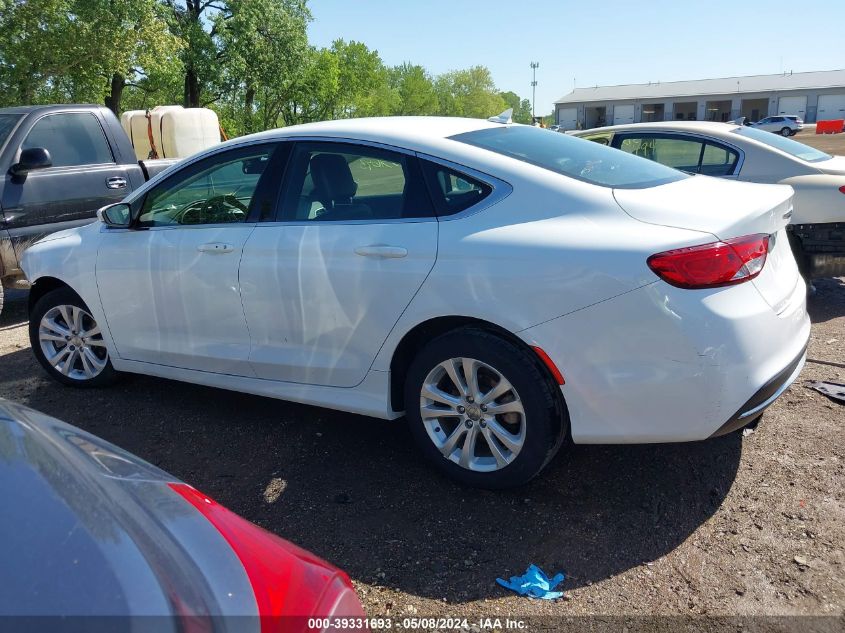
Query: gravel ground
{"points": [[745, 526]]}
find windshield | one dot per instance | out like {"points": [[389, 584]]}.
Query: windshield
{"points": [[7, 124], [793, 148], [573, 157]]}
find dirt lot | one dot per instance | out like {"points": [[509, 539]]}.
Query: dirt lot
{"points": [[830, 143], [736, 526]]}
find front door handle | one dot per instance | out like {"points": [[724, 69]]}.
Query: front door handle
{"points": [[215, 247], [116, 182], [382, 250]]}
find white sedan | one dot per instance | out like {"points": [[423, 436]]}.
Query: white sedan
{"points": [[502, 285], [817, 228]]}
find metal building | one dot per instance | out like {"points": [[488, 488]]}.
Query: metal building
{"points": [[813, 96]]}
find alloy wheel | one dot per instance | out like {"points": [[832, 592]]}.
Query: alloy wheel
{"points": [[72, 342], [473, 414]]}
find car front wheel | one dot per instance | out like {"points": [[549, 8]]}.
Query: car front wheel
{"points": [[482, 410], [68, 342]]}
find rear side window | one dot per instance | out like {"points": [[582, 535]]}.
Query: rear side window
{"points": [[452, 191], [570, 156], [718, 160], [343, 182], [72, 138]]}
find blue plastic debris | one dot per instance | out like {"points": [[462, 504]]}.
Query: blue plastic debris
{"points": [[534, 583]]}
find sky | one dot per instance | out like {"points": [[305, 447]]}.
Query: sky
{"points": [[590, 43]]}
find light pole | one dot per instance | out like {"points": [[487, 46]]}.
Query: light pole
{"points": [[534, 67]]}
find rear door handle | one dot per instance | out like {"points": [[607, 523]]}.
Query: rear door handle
{"points": [[116, 182], [215, 247], [382, 250]]}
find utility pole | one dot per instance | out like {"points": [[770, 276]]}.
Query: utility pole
{"points": [[534, 67]]}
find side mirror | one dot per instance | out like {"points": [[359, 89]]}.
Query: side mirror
{"points": [[115, 216], [32, 158]]}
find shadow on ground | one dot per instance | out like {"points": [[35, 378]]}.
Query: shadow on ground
{"points": [[14, 309], [828, 301], [355, 492]]}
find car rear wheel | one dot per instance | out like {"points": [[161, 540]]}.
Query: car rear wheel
{"points": [[786, 132], [68, 342], [482, 410]]}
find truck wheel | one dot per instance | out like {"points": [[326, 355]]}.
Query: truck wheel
{"points": [[67, 341], [482, 410]]}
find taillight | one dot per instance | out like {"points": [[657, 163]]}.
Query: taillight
{"points": [[712, 265], [842, 188], [291, 586]]}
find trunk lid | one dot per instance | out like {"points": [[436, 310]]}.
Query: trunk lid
{"points": [[726, 209]]}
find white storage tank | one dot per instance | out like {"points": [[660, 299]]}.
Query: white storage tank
{"points": [[177, 132], [187, 131], [126, 122]]}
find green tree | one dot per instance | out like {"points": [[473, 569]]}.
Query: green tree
{"points": [[195, 23], [521, 107], [81, 50], [469, 93], [263, 46], [415, 90]]}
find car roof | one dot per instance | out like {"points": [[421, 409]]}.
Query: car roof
{"points": [[421, 133], [707, 127], [49, 108]]}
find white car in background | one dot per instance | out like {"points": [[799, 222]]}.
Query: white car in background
{"points": [[780, 124], [817, 225], [503, 286]]}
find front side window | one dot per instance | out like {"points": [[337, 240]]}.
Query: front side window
{"points": [[601, 139], [331, 182], [571, 156], [217, 190], [7, 124], [682, 154], [72, 138], [692, 155]]}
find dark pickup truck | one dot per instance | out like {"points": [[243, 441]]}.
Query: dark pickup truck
{"points": [[60, 164]]}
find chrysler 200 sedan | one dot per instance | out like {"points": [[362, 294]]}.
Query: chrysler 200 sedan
{"points": [[501, 285]]}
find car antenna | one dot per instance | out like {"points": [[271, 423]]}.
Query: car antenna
{"points": [[504, 117]]}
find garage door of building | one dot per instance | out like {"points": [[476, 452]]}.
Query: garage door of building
{"points": [[830, 107], [792, 105], [623, 114], [567, 118]]}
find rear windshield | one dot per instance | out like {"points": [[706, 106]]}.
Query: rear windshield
{"points": [[793, 148], [7, 124], [573, 157]]}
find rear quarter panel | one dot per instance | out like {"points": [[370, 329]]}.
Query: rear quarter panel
{"points": [[554, 246]]}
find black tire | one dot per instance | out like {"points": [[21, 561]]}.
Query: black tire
{"points": [[785, 132], [64, 296], [546, 422]]}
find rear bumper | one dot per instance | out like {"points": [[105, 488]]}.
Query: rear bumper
{"points": [[765, 397], [661, 364]]}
